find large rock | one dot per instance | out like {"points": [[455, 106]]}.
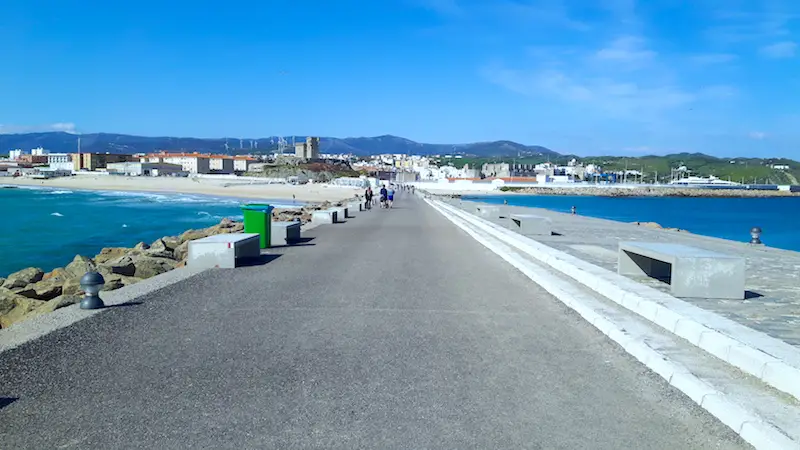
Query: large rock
{"points": [[43, 290], [110, 253], [115, 281], [120, 266], [147, 267], [79, 266], [182, 251], [161, 249], [23, 278], [57, 303], [16, 308], [191, 235], [71, 287], [141, 246], [57, 274]]}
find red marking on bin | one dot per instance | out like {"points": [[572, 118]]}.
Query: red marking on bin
{"points": [[229, 245]]}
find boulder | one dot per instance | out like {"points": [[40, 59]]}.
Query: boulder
{"points": [[57, 303], [120, 266], [56, 274], [2, 280], [115, 281], [71, 287], [110, 253], [161, 249], [147, 267], [79, 266], [182, 251], [226, 223], [43, 290], [141, 246], [16, 308], [191, 235], [23, 278]]}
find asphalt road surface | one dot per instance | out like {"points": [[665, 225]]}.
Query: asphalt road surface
{"points": [[394, 330]]}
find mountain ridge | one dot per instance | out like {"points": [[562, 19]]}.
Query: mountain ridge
{"points": [[63, 142]]}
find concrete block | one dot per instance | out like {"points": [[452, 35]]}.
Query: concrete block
{"points": [[531, 225], [691, 271], [285, 233], [341, 214], [783, 377], [223, 250], [323, 216]]}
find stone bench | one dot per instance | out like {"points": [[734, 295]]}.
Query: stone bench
{"points": [[324, 216], [691, 271], [491, 211], [354, 207], [223, 250], [284, 233], [531, 225]]}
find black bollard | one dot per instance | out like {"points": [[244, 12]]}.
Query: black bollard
{"points": [[92, 283]]}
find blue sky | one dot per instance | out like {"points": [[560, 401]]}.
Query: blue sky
{"points": [[584, 76]]}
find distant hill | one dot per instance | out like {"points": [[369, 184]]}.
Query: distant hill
{"points": [[59, 142]]}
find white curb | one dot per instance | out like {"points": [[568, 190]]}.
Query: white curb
{"points": [[771, 360], [749, 426]]}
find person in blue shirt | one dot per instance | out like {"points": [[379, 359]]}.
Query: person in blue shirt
{"points": [[390, 197], [384, 194]]}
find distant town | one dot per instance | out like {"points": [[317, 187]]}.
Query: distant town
{"points": [[305, 156]]}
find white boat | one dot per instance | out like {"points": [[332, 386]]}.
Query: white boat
{"points": [[701, 181]]}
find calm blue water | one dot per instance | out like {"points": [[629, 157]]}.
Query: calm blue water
{"points": [[46, 228], [727, 218]]}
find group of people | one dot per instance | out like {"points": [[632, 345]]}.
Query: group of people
{"points": [[386, 197]]}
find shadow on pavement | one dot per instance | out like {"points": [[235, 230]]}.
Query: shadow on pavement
{"points": [[259, 261], [119, 305], [5, 401]]}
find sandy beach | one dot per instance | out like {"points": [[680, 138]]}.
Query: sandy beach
{"points": [[200, 186]]}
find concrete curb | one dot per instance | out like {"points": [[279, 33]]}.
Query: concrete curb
{"points": [[749, 426], [774, 362]]}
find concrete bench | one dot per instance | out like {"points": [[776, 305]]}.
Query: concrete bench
{"points": [[491, 211], [353, 207], [284, 233], [341, 213], [691, 271], [323, 216], [531, 225], [223, 250]]}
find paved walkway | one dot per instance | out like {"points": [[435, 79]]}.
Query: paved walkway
{"points": [[392, 331], [773, 275]]}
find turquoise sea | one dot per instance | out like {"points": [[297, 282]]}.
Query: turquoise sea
{"points": [[727, 218], [46, 228]]}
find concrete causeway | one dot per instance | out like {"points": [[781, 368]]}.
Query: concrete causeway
{"points": [[394, 330], [772, 281]]}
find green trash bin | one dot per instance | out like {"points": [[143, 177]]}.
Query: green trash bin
{"points": [[258, 219]]}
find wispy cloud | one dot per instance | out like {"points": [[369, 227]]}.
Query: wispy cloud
{"points": [[757, 135], [623, 79], [785, 49], [713, 58], [59, 126]]}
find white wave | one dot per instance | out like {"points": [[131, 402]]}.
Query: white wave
{"points": [[60, 192], [124, 225], [57, 214]]}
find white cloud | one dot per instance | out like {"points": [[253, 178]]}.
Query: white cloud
{"points": [[59, 126], [626, 49], [757, 135], [785, 49]]}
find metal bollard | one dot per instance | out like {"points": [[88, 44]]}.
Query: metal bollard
{"points": [[755, 236], [574, 210], [92, 283]]}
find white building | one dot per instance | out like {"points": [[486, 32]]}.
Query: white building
{"points": [[39, 151], [147, 169], [15, 154], [220, 164], [242, 163], [60, 161]]}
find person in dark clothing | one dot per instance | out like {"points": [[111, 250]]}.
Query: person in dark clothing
{"points": [[368, 198]]}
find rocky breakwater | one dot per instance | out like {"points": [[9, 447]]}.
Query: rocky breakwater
{"points": [[655, 191], [30, 292]]}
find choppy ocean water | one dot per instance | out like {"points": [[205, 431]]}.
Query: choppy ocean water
{"points": [[726, 218], [46, 228]]}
